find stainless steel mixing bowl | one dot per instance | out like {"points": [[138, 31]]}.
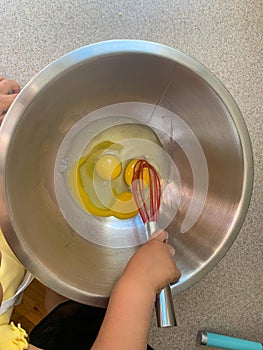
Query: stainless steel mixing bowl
{"points": [[199, 125]]}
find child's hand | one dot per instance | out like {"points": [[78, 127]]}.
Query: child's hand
{"points": [[8, 92], [153, 266], [128, 315]]}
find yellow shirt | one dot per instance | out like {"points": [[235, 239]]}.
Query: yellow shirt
{"points": [[12, 273]]}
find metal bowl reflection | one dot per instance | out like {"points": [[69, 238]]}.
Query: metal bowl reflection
{"points": [[200, 128]]}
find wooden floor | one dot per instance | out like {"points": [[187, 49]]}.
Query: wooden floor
{"points": [[32, 309]]}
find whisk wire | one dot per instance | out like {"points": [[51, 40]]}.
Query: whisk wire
{"points": [[146, 187]]}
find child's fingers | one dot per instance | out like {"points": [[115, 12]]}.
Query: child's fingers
{"points": [[160, 235], [171, 249], [6, 101], [163, 237], [8, 92], [7, 86]]}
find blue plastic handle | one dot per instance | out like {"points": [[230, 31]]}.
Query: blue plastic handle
{"points": [[229, 343]]}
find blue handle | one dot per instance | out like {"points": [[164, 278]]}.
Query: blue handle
{"points": [[225, 342]]}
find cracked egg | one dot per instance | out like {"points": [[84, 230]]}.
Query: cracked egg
{"points": [[101, 179]]}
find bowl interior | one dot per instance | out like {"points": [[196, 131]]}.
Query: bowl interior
{"points": [[196, 129]]}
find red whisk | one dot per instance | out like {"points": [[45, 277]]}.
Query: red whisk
{"points": [[146, 188], [147, 191]]}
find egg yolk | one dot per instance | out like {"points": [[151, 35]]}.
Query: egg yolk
{"points": [[108, 167], [101, 179], [128, 174], [125, 205], [114, 197]]}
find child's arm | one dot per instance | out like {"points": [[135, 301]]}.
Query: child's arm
{"points": [[127, 319]]}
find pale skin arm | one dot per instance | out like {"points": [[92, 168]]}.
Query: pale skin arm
{"points": [[127, 320], [126, 323]]}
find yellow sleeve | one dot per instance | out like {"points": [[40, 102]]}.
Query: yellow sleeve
{"points": [[12, 337], [11, 275]]}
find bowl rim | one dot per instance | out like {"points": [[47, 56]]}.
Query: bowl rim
{"points": [[104, 48]]}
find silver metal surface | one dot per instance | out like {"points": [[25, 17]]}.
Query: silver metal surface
{"points": [[191, 107], [150, 228], [164, 308], [202, 337]]}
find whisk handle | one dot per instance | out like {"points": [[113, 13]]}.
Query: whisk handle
{"points": [[150, 228], [164, 302], [165, 309]]}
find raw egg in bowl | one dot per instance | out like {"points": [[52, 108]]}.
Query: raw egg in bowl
{"points": [[101, 179], [94, 170]]}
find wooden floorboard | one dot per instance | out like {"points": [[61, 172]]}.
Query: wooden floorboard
{"points": [[32, 309]]}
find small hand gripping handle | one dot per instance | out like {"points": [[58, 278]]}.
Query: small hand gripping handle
{"points": [[164, 302]]}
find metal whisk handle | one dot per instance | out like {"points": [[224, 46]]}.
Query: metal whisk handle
{"points": [[165, 309], [164, 303]]}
